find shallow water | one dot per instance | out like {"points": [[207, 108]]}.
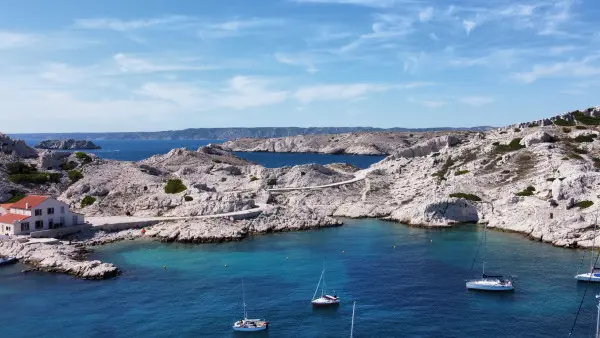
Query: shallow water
{"points": [[413, 290]]}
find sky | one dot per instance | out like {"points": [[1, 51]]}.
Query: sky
{"points": [[93, 66]]}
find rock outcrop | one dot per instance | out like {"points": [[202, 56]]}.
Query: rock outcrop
{"points": [[68, 144], [17, 148]]}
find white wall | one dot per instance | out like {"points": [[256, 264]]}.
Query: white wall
{"points": [[4, 227], [70, 219]]}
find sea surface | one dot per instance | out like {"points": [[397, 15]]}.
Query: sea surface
{"points": [[407, 282], [136, 150]]}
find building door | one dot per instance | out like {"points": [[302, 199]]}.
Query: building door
{"points": [[74, 220]]}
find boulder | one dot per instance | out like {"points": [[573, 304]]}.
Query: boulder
{"points": [[535, 138]]}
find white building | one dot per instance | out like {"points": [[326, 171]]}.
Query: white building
{"points": [[36, 213]]}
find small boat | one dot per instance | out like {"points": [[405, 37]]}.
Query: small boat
{"points": [[325, 300], [593, 275], [489, 282], [249, 325], [7, 261]]}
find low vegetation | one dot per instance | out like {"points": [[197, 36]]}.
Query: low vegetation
{"points": [[563, 122], [188, 198], [175, 186], [83, 157], [16, 196], [515, 144], [584, 204], [253, 178], [517, 130], [75, 175], [550, 179], [35, 178], [596, 161], [442, 172], [460, 172], [68, 166], [527, 192], [581, 127], [468, 197], [532, 125], [272, 181], [87, 200], [566, 130], [584, 138], [589, 120]]}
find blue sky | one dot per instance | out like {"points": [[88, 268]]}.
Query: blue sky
{"points": [[156, 65]]}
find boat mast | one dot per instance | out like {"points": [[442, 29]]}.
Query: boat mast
{"points": [[598, 318], [244, 300], [317, 289], [354, 306]]}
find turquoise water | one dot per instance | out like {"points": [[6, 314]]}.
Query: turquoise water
{"points": [[136, 150], [413, 290]]}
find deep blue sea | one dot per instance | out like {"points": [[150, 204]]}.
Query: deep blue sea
{"points": [[135, 150], [407, 282]]}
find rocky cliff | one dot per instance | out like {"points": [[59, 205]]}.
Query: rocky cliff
{"points": [[68, 144]]}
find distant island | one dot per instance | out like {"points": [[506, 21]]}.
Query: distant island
{"points": [[226, 134], [68, 144]]}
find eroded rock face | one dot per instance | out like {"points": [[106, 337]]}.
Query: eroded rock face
{"points": [[535, 138], [17, 148], [52, 160], [68, 144], [430, 146]]}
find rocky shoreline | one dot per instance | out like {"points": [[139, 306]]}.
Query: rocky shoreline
{"points": [[537, 179], [68, 144]]}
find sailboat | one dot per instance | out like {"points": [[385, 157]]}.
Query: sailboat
{"points": [[490, 282], [594, 274], [324, 300], [352, 325], [249, 325]]}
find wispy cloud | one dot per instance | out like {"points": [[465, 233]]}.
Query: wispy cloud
{"points": [[366, 3], [469, 26], [238, 27], [426, 14], [334, 92], [577, 69], [385, 27], [120, 25], [11, 40], [302, 61], [477, 100], [131, 64]]}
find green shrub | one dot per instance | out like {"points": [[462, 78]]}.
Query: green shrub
{"points": [[589, 120], [566, 129], [584, 138], [253, 178], [469, 197], [495, 144], [83, 157], [584, 204], [442, 173], [68, 166], [527, 192], [565, 158], [87, 200], [515, 144], [517, 130], [575, 156], [19, 168], [272, 181], [579, 150], [581, 127], [17, 196], [435, 154], [532, 125], [596, 161], [175, 186], [550, 179], [460, 172], [75, 175], [563, 122], [35, 178], [188, 198]]}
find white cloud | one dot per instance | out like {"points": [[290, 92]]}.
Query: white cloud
{"points": [[129, 64], [477, 100], [557, 15], [334, 92], [469, 26], [433, 103], [434, 37], [237, 25], [583, 68], [366, 3], [518, 10], [426, 14], [11, 40], [246, 92], [386, 27], [302, 61], [127, 25]]}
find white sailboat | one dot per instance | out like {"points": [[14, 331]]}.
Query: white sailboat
{"points": [[594, 273], [324, 300], [249, 325], [490, 282]]}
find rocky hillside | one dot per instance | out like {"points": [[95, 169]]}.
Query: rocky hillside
{"points": [[68, 144], [375, 143]]}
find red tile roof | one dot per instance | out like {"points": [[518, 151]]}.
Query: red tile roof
{"points": [[6, 206], [10, 218], [32, 200]]}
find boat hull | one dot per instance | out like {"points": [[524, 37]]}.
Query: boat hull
{"points": [[326, 301], [249, 329], [7, 261], [496, 287], [250, 325], [585, 277]]}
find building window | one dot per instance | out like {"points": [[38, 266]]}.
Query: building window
{"points": [[7, 228], [62, 210], [25, 226], [39, 224], [50, 223], [74, 220], [38, 212], [50, 211], [62, 221]]}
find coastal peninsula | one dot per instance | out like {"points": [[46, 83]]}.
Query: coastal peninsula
{"points": [[68, 144]]}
